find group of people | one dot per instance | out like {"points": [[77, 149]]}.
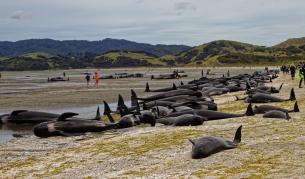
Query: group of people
{"points": [[286, 69], [96, 77]]}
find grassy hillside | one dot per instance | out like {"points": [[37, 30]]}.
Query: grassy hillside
{"points": [[297, 42], [216, 53], [231, 53], [127, 59]]}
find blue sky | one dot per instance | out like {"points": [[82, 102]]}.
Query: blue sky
{"points": [[190, 22]]}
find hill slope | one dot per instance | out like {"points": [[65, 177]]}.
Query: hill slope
{"points": [[225, 52], [297, 42], [77, 47], [216, 53]]}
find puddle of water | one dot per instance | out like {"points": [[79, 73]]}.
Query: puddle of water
{"points": [[8, 131]]}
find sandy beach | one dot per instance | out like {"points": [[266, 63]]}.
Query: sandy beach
{"points": [[270, 148]]}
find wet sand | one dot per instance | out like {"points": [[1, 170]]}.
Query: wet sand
{"points": [[271, 148]]}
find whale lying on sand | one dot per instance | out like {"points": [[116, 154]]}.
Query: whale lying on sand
{"points": [[206, 146]]}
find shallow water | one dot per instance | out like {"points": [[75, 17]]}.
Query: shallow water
{"points": [[8, 131]]}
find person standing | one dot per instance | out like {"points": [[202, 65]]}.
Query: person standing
{"points": [[97, 78], [301, 75], [88, 79], [292, 71]]}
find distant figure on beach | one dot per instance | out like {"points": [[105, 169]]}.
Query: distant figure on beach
{"points": [[201, 73], [88, 79], [292, 71], [301, 75], [0, 75], [97, 78], [208, 71], [64, 74], [228, 73]]}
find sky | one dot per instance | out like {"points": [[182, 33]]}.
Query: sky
{"points": [[189, 22]]}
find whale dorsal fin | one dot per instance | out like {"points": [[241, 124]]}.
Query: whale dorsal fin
{"points": [[107, 109], [121, 101], [292, 95], [98, 114], [249, 111], [237, 137], [15, 113], [174, 86], [147, 88], [296, 107], [66, 115]]}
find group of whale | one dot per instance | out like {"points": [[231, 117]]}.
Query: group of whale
{"points": [[188, 104]]}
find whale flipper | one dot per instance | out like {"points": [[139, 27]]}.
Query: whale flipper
{"points": [[66, 115], [66, 134]]}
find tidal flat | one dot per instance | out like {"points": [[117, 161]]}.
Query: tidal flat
{"points": [[270, 148]]}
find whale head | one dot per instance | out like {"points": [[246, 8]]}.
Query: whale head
{"points": [[4, 118]]}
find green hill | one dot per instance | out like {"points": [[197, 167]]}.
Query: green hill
{"points": [[232, 53], [38, 61], [216, 53], [126, 59], [297, 42]]}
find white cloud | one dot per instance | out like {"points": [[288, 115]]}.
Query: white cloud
{"points": [[189, 22], [20, 15]]}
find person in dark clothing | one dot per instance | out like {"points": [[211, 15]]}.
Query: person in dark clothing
{"points": [[87, 79], [64, 74], [292, 71]]}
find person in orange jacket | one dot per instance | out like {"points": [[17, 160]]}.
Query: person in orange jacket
{"points": [[97, 78]]}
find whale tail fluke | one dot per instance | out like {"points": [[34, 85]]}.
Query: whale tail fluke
{"points": [[250, 111], [147, 88], [292, 95], [296, 107], [237, 137]]}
